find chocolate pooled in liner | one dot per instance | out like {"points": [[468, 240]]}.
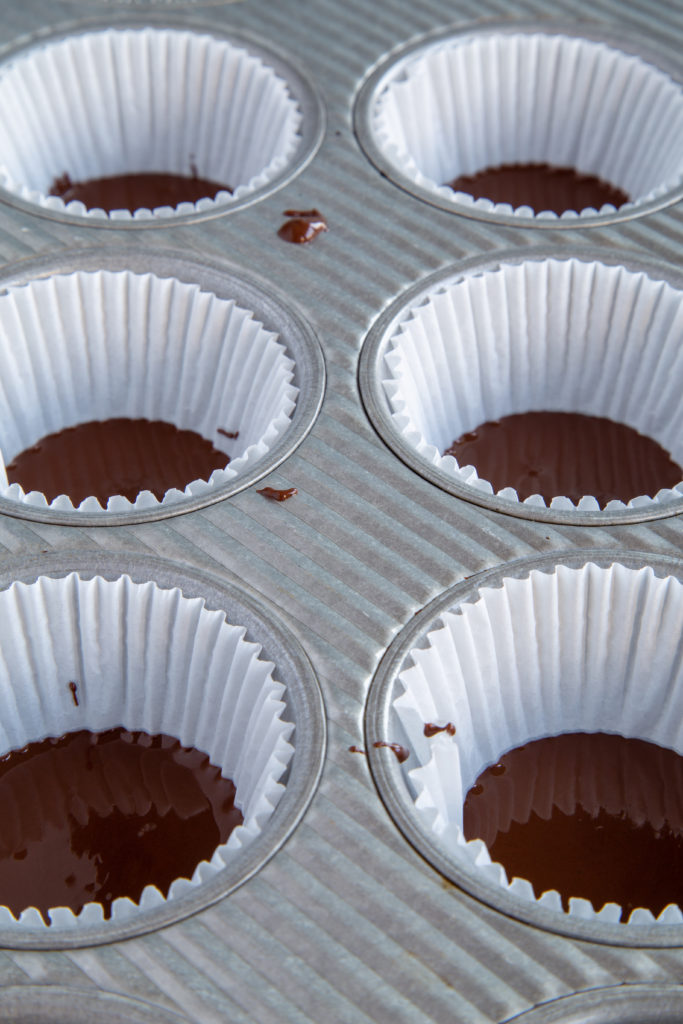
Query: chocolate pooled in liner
{"points": [[117, 456], [540, 186], [136, 191], [591, 815], [566, 454], [91, 817]]}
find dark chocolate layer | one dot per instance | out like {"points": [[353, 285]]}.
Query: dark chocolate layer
{"points": [[590, 815], [566, 453], [95, 816], [118, 456], [136, 191], [540, 186]]}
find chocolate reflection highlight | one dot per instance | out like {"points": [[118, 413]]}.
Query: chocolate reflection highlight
{"points": [[91, 817], [590, 815]]}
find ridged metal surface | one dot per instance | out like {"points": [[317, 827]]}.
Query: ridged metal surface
{"points": [[347, 923]]}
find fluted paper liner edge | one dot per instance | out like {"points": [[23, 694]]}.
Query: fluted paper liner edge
{"points": [[144, 659], [531, 658], [201, 106], [486, 99], [102, 345], [549, 334]]}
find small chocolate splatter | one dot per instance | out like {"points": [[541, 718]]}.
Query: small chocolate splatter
{"points": [[74, 693], [356, 750], [275, 495], [402, 754], [431, 730], [232, 435], [61, 185], [302, 226]]}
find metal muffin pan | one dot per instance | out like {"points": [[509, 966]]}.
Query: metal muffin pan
{"points": [[630, 1004], [346, 923], [32, 1004]]}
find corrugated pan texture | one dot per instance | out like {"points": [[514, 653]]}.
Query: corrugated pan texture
{"points": [[346, 925]]}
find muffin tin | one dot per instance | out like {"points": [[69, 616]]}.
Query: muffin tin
{"points": [[346, 920]]}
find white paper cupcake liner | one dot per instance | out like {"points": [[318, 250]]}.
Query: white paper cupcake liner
{"points": [[547, 335], [487, 99], [131, 101], [144, 659], [96, 346], [575, 650]]}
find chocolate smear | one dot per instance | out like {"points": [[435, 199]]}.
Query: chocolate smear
{"points": [[431, 730], [273, 494], [302, 226], [402, 753]]}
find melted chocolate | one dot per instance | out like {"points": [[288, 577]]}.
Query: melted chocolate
{"points": [[591, 815], [402, 753], [540, 186], [356, 750], [275, 495], [90, 817], [74, 693], [303, 226], [136, 191], [431, 730], [118, 456], [566, 453]]}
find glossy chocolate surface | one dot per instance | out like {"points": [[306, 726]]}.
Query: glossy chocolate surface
{"points": [[136, 191], [568, 454], [118, 456], [590, 815], [540, 186], [302, 226], [402, 753], [95, 816], [276, 494]]}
